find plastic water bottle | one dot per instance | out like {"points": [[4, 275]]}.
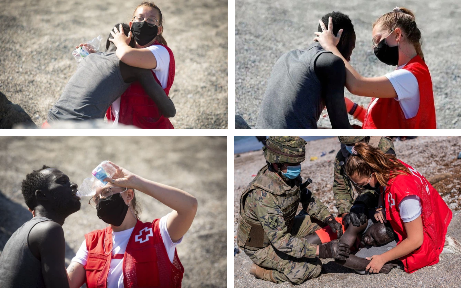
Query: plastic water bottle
{"points": [[81, 52], [90, 184]]}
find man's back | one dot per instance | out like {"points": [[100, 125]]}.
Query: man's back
{"points": [[18, 266], [91, 90], [293, 97]]}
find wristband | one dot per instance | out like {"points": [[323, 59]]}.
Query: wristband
{"points": [[354, 107]]}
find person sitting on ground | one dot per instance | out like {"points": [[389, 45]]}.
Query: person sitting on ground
{"points": [[303, 82], [100, 79], [34, 256]]}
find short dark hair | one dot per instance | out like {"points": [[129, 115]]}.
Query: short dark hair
{"points": [[126, 30], [34, 181], [340, 21]]}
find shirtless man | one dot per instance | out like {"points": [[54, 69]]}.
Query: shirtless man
{"points": [[34, 256]]}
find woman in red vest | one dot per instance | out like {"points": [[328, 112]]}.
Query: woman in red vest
{"points": [[415, 210], [131, 253], [403, 98], [151, 52]]}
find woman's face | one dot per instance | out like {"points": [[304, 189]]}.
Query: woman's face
{"points": [[110, 189], [379, 33], [362, 181], [150, 15]]}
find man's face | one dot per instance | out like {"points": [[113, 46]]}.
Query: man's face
{"points": [[61, 191], [376, 235]]}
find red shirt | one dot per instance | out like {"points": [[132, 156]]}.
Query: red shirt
{"points": [[136, 108], [145, 262], [386, 113], [435, 216]]}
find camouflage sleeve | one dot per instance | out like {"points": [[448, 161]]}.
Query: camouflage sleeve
{"points": [[341, 187], [386, 145], [271, 218], [315, 208]]}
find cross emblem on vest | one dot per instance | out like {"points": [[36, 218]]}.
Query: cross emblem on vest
{"points": [[148, 233]]}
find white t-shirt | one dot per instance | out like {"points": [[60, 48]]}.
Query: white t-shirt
{"points": [[163, 63], [410, 208], [119, 242], [407, 89]]}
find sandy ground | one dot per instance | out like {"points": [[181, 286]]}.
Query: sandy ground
{"points": [[431, 156], [38, 37], [264, 30], [194, 164]]}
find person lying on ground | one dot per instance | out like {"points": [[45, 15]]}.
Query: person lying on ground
{"points": [[304, 81], [34, 256], [100, 79]]}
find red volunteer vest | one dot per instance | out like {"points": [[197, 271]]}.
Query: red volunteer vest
{"points": [[136, 108], [435, 216], [145, 262], [386, 113]]}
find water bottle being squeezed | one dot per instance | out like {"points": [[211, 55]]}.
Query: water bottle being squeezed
{"points": [[102, 171]]}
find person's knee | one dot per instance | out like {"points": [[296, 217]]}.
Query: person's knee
{"points": [[305, 272]]}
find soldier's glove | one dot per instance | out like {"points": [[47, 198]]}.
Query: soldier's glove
{"points": [[357, 215], [334, 225], [334, 249]]}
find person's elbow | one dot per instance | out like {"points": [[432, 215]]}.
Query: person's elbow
{"points": [[193, 205], [170, 112]]}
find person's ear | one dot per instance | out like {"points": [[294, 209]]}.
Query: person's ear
{"points": [[40, 195], [160, 30], [398, 34]]}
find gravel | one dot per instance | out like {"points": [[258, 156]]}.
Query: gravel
{"points": [[431, 156], [264, 30], [39, 36]]}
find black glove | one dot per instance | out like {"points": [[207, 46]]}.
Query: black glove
{"points": [[346, 220], [357, 215], [334, 249], [334, 225]]}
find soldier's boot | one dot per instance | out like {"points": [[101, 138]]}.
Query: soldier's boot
{"points": [[262, 273]]}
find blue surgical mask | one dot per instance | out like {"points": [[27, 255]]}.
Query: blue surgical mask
{"points": [[292, 172], [349, 148]]}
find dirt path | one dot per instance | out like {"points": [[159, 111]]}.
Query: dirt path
{"points": [[429, 155], [194, 164], [280, 26], [38, 37]]}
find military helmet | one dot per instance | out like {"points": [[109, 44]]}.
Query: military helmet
{"points": [[351, 140], [285, 149]]}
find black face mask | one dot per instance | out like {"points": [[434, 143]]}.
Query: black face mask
{"points": [[386, 54], [112, 209], [368, 187], [143, 32]]}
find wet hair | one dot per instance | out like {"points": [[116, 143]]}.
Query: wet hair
{"points": [[341, 21], [404, 19], [368, 160], [159, 38], [126, 30], [34, 181]]}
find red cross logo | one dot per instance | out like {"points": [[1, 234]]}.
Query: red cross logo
{"points": [[148, 234]]}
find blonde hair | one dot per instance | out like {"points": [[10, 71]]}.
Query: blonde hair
{"points": [[159, 38], [404, 19]]}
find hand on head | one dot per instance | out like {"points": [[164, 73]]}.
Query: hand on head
{"points": [[119, 36], [326, 38]]}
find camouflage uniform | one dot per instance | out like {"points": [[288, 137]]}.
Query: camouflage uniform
{"points": [[270, 233], [344, 194]]}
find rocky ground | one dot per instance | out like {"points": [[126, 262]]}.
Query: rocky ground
{"points": [[264, 30], [38, 38], [434, 157], [194, 164]]}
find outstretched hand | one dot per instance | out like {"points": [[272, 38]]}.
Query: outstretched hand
{"points": [[326, 38], [377, 262]]}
